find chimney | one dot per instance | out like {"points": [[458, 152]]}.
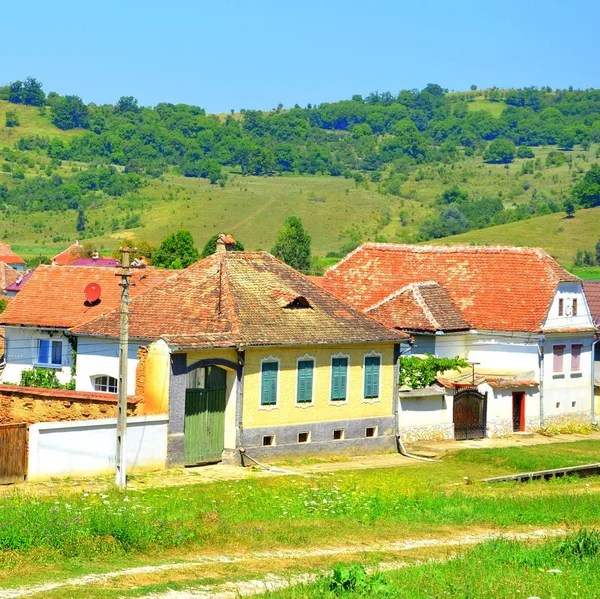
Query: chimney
{"points": [[224, 243]]}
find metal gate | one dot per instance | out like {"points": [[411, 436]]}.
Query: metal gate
{"points": [[470, 414], [13, 452]]}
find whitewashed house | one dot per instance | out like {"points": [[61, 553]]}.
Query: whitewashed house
{"points": [[520, 318], [38, 321]]}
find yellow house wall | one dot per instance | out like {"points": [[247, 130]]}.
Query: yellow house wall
{"points": [[288, 411], [156, 379]]}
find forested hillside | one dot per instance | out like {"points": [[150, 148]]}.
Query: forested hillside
{"points": [[410, 166]]}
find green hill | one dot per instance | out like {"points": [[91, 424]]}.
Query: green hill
{"points": [[389, 167], [561, 237]]}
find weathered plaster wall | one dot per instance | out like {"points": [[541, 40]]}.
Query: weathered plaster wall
{"points": [[32, 405]]}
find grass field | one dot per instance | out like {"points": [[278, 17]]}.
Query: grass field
{"points": [[84, 530], [558, 235], [495, 108], [32, 123]]}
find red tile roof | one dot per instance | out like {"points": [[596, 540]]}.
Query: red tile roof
{"points": [[592, 295], [68, 256], [494, 288], [419, 307], [54, 297], [20, 282], [8, 256], [8, 276], [241, 299]]}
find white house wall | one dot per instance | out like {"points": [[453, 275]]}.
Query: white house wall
{"points": [[425, 418], [567, 395], [21, 353], [500, 409], [87, 447], [503, 352], [98, 357], [567, 292]]}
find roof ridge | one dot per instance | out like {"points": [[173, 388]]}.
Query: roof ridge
{"points": [[400, 291], [426, 310]]}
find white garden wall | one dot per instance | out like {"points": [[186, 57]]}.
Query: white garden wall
{"points": [[87, 447]]}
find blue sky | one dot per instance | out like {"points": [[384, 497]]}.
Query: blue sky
{"points": [[257, 53]]}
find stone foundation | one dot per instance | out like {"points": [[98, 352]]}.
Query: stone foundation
{"points": [[434, 432], [574, 418]]}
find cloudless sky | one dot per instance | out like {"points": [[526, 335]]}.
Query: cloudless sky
{"points": [[224, 54]]}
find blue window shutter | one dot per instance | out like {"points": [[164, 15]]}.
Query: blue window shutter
{"points": [[339, 368], [269, 384], [305, 381], [44, 351], [372, 365]]}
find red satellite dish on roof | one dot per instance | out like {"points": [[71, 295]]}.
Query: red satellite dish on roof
{"points": [[92, 292]]}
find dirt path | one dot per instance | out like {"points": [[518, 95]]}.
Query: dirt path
{"points": [[259, 586], [253, 215]]}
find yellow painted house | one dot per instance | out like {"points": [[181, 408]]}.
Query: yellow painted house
{"points": [[249, 358]]}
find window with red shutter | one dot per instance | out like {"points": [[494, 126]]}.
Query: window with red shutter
{"points": [[576, 357], [559, 352]]}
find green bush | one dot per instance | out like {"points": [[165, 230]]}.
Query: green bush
{"points": [[43, 377]]}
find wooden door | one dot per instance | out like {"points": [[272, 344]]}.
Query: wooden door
{"points": [[518, 412], [13, 452], [204, 426]]}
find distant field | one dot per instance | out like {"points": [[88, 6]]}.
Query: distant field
{"points": [[559, 236], [32, 123], [589, 273], [495, 108]]}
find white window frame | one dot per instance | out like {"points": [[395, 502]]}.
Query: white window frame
{"points": [[372, 354], [339, 402], [311, 403], [49, 364], [274, 406], [108, 376]]}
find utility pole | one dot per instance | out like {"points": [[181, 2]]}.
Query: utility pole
{"points": [[120, 461]]}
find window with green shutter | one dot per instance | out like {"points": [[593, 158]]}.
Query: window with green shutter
{"points": [[372, 367], [304, 393], [268, 389], [339, 378]]}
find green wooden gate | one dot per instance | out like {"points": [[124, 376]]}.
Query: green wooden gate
{"points": [[204, 426]]}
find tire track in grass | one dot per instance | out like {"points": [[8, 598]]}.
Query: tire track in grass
{"points": [[253, 215], [283, 554]]}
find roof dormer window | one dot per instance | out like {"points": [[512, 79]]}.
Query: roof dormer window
{"points": [[561, 306], [574, 306]]}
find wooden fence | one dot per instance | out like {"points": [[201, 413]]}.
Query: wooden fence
{"points": [[13, 450]]}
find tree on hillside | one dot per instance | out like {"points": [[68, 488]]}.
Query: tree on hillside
{"points": [[210, 247], [500, 151], [70, 112], [292, 245], [570, 208], [587, 192], [81, 220], [176, 251], [12, 119], [598, 253]]}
